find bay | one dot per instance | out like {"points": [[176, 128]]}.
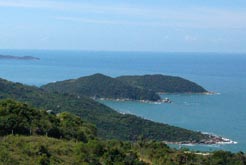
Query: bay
{"points": [[222, 114]]}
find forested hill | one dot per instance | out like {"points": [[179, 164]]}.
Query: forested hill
{"points": [[110, 124], [19, 118], [102, 86], [33, 136], [161, 83], [125, 87]]}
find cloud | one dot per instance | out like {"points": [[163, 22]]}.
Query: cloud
{"points": [[25, 4], [164, 16], [108, 21]]}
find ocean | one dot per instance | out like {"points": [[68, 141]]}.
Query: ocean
{"points": [[222, 114]]}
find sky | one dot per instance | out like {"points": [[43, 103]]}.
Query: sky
{"points": [[124, 25]]}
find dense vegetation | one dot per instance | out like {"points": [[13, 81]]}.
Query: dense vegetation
{"points": [[101, 86], [110, 124], [162, 83], [19, 118], [125, 87], [33, 142], [44, 150]]}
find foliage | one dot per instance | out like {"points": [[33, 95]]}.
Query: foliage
{"points": [[101, 86], [132, 128], [159, 153], [162, 83], [75, 142], [45, 150], [19, 118]]}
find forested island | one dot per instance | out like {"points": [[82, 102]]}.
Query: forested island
{"points": [[144, 88], [30, 135], [9, 57]]}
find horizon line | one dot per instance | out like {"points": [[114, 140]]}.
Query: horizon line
{"points": [[135, 51]]}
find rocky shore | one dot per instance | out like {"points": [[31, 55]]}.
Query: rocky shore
{"points": [[202, 93], [166, 100], [213, 139]]}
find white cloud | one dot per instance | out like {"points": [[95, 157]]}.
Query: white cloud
{"points": [[26, 4], [193, 17]]}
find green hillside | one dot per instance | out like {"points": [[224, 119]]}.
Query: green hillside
{"points": [[38, 137], [161, 83], [19, 118], [101, 86], [42, 150], [110, 124]]}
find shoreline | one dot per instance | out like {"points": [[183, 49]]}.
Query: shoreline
{"points": [[191, 93], [213, 139], [166, 100]]}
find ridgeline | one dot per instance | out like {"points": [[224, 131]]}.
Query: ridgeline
{"points": [[163, 84], [101, 86], [144, 87]]}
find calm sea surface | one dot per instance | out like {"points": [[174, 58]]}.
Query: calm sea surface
{"points": [[222, 114]]}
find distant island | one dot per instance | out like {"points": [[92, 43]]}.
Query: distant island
{"points": [[9, 57], [144, 88]]}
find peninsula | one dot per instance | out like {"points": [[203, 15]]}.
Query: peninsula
{"points": [[138, 88], [163, 83], [101, 86]]}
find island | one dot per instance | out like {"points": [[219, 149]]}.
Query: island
{"points": [[9, 57]]}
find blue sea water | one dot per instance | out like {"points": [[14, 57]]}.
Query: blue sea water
{"points": [[222, 114]]}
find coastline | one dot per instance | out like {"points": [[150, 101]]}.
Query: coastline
{"points": [[192, 93], [213, 139], [166, 100]]}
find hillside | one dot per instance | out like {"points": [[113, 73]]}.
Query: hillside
{"points": [[163, 84], [33, 136], [19, 118], [101, 86], [110, 124], [43, 150]]}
